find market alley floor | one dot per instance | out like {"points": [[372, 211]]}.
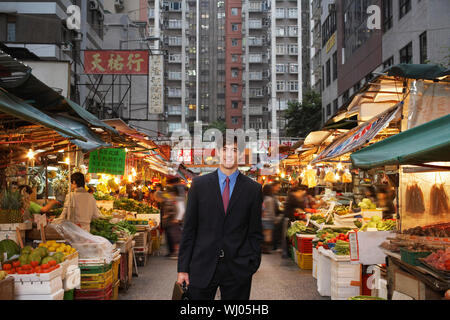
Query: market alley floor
{"points": [[276, 279]]}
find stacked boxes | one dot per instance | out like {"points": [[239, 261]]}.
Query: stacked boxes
{"points": [[96, 282]]}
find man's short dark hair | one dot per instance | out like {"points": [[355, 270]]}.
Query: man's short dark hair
{"points": [[224, 139], [78, 178]]}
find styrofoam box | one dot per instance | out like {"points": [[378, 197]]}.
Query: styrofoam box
{"points": [[315, 262], [343, 293], [345, 270], [59, 295], [38, 287], [324, 274], [66, 264], [38, 277]]}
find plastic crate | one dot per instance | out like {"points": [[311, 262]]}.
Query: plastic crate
{"points": [[141, 259], [97, 294], [304, 245], [411, 257], [100, 284], [69, 295], [115, 269], [94, 269], [96, 277], [305, 261]]}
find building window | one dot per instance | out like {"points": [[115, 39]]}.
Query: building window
{"points": [[234, 27], [280, 31], [234, 58], [404, 7], [328, 73], [293, 86], [293, 49], [254, 23], [173, 126], [293, 31], [329, 109], [335, 106], [234, 88], [281, 49], [235, 120], [281, 85], [323, 76], [389, 62], [293, 68], [423, 48], [387, 15], [406, 54], [356, 87], [345, 96], [234, 42], [234, 73], [292, 13], [11, 32], [328, 27], [234, 104], [335, 66], [280, 68], [280, 13], [234, 11]]}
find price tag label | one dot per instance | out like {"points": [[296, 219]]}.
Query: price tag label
{"points": [[40, 219], [354, 250]]}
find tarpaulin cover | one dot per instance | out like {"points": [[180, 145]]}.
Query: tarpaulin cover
{"points": [[12, 105], [429, 142], [418, 71]]}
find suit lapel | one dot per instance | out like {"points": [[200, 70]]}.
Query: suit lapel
{"points": [[237, 191], [214, 182]]}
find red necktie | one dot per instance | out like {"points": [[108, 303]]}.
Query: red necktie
{"points": [[226, 194]]}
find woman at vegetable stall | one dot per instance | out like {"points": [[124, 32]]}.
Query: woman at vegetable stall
{"points": [[32, 207], [80, 206]]}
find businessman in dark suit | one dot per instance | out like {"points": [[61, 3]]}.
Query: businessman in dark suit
{"points": [[222, 234]]}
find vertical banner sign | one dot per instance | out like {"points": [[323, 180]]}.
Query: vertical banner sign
{"points": [[110, 161], [116, 62], [155, 85]]}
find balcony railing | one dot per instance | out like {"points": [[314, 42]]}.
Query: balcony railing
{"points": [[255, 41], [255, 6], [255, 110], [255, 75]]}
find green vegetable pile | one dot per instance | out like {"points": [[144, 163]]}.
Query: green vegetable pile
{"points": [[98, 195], [104, 228], [134, 206], [342, 248], [112, 231], [300, 227]]}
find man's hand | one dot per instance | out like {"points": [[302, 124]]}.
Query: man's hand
{"points": [[183, 277]]}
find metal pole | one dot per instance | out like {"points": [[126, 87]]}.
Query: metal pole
{"points": [[197, 61]]}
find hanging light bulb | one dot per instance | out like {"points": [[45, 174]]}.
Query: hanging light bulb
{"points": [[67, 161], [309, 167], [130, 178], [134, 188], [30, 154], [133, 172], [116, 180], [283, 175], [290, 178], [339, 166], [337, 177]]}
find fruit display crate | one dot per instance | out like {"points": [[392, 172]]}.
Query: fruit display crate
{"points": [[94, 294], [115, 290], [69, 294], [99, 281], [115, 268], [305, 261], [94, 268], [304, 243], [412, 257], [141, 239], [59, 295]]}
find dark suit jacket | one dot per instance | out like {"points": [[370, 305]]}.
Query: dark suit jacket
{"points": [[207, 230]]}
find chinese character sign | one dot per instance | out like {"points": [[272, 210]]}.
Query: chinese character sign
{"points": [[116, 62], [111, 161], [156, 88]]}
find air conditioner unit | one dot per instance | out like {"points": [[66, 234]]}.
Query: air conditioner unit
{"points": [[118, 4], [93, 5]]}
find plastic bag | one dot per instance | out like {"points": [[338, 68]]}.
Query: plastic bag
{"points": [[347, 177], [414, 199], [329, 177], [87, 245], [438, 200]]}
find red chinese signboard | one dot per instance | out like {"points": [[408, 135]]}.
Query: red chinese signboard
{"points": [[116, 62]]}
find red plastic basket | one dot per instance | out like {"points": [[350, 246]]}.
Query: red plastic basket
{"points": [[304, 245], [88, 294]]}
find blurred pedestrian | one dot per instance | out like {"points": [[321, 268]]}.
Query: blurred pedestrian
{"points": [[268, 217], [171, 222], [276, 234]]}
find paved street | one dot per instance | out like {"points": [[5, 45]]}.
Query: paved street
{"points": [[276, 279]]}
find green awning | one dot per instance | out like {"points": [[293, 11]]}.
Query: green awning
{"points": [[93, 141], [12, 105], [418, 71], [429, 142]]}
